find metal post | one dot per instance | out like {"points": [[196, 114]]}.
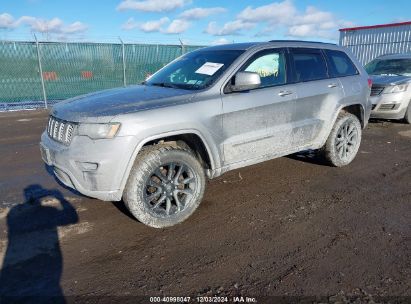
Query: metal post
{"points": [[41, 71], [182, 47], [124, 62]]}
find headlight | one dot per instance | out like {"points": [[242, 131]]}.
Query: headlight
{"points": [[396, 88], [99, 131]]}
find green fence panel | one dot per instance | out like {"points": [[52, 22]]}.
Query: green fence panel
{"points": [[190, 48], [143, 60], [19, 73], [71, 69]]}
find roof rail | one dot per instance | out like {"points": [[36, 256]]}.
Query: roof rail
{"points": [[301, 41]]}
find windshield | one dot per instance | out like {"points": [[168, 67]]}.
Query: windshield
{"points": [[194, 71], [401, 67]]}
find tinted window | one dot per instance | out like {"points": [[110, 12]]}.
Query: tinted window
{"points": [[270, 65], [309, 64], [389, 67], [195, 70], [340, 64]]}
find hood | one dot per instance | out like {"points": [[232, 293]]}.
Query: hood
{"points": [[389, 80], [104, 105]]}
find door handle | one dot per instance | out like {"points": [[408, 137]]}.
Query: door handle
{"points": [[332, 85], [285, 93]]}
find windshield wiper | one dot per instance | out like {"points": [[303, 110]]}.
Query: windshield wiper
{"points": [[164, 85], [182, 86]]}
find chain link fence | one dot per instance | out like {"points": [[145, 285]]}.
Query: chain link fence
{"points": [[35, 74]]}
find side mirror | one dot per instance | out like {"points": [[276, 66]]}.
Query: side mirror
{"points": [[245, 81]]}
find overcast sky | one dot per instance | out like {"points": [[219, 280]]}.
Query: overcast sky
{"points": [[192, 21]]}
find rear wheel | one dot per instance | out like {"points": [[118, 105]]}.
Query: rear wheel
{"points": [[407, 116], [165, 186], [344, 140]]}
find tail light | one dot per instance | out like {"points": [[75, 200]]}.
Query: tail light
{"points": [[369, 83]]}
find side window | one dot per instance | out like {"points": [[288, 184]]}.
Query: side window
{"points": [[270, 65], [309, 64], [340, 64]]}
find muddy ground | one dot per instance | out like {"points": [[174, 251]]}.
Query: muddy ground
{"points": [[288, 227]]}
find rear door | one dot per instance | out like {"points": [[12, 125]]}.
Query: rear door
{"points": [[259, 122], [341, 67], [317, 94]]}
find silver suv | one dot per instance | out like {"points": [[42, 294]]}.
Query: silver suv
{"points": [[208, 112]]}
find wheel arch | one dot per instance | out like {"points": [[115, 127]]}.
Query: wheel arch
{"points": [[357, 110], [191, 137], [192, 141]]}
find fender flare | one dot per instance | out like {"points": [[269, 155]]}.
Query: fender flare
{"points": [[212, 156]]}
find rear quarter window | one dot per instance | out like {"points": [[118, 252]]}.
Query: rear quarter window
{"points": [[340, 64]]}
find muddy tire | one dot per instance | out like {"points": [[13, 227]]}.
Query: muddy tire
{"points": [[407, 117], [165, 186], [344, 140]]}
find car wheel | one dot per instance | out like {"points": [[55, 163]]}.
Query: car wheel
{"points": [[344, 140], [165, 186], [407, 116]]}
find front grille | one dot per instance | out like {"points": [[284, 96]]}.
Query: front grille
{"points": [[376, 90], [60, 130]]}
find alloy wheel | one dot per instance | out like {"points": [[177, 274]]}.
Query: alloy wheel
{"points": [[169, 189]]}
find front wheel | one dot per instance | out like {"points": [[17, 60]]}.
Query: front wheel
{"points": [[165, 186], [344, 140]]}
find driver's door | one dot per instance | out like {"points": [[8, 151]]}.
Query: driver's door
{"points": [[258, 122]]}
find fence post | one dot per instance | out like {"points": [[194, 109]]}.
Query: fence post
{"points": [[41, 71], [183, 51], [124, 62]]}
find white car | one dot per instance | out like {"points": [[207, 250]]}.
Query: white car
{"points": [[391, 89]]}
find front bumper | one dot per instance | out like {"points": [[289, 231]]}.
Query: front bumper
{"points": [[390, 106], [94, 168]]}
